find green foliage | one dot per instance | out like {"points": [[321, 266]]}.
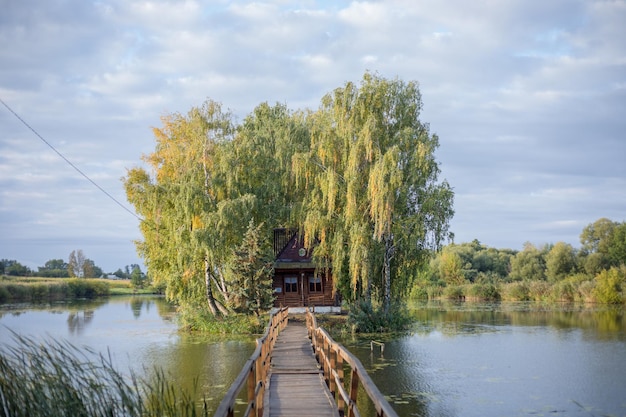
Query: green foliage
{"points": [[483, 292], [564, 291], [81, 288], [609, 286], [596, 237], [358, 176], [137, 278], [617, 248], [528, 265], [560, 261], [200, 319], [210, 178], [251, 271], [372, 200], [539, 290], [515, 291], [363, 317], [57, 379], [53, 268], [450, 267], [38, 289], [454, 292], [14, 268]]}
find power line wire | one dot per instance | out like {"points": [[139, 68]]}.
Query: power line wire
{"points": [[68, 161]]}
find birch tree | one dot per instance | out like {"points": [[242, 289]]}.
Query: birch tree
{"points": [[209, 179], [373, 199]]}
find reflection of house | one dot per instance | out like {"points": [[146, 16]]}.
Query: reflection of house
{"points": [[296, 284]]}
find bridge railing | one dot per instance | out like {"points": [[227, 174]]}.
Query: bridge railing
{"points": [[332, 356], [254, 372]]}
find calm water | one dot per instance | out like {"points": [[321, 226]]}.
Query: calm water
{"points": [[511, 359], [141, 333]]}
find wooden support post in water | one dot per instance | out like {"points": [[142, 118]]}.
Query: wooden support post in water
{"points": [[381, 344]]}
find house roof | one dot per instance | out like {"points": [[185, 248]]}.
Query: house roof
{"points": [[293, 251]]}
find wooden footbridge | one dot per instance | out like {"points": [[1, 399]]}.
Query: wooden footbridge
{"points": [[299, 370]]}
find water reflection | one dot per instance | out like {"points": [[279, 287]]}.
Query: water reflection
{"points": [[503, 359], [78, 320], [141, 334], [136, 304]]}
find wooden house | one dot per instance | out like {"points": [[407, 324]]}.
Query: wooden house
{"points": [[296, 283]]}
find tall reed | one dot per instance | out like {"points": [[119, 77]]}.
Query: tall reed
{"points": [[58, 379]]}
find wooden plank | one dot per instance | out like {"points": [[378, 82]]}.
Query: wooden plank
{"points": [[296, 386]]}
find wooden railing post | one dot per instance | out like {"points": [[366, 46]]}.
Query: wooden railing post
{"points": [[354, 390], [340, 402], [260, 382], [251, 386], [333, 366], [325, 354]]}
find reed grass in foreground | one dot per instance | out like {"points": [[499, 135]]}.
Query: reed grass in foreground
{"points": [[57, 379]]}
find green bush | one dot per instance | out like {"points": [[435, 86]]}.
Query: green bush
{"points": [[483, 292], [586, 290], [608, 289], [539, 290], [363, 317], [453, 292], [434, 291], [564, 291], [199, 319], [86, 288], [515, 291], [419, 292]]}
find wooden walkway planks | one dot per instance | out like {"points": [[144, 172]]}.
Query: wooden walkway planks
{"points": [[296, 385]]}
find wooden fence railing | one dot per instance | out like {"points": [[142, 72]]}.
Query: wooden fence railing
{"points": [[332, 356], [254, 372]]}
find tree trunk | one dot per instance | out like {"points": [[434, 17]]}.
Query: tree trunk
{"points": [[209, 291], [387, 274]]}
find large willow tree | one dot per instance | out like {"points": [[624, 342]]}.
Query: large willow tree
{"points": [[373, 202], [207, 180]]}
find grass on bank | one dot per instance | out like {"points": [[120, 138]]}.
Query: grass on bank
{"points": [[57, 379], [35, 289]]}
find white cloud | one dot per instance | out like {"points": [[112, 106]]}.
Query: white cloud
{"points": [[528, 99]]}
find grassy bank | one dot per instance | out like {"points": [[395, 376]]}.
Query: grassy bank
{"points": [[35, 289]]}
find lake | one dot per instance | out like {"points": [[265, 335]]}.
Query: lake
{"points": [[468, 359], [503, 359]]}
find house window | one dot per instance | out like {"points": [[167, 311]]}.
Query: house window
{"points": [[315, 284], [291, 284]]}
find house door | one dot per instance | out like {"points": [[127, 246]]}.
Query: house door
{"points": [[293, 290]]}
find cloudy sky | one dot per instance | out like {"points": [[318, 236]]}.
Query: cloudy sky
{"points": [[528, 99]]}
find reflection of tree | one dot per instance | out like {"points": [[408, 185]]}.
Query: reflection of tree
{"points": [[136, 304], [166, 310], [452, 319], [77, 321], [205, 366]]}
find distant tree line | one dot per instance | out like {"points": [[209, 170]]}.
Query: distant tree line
{"points": [[560, 272], [77, 266]]}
